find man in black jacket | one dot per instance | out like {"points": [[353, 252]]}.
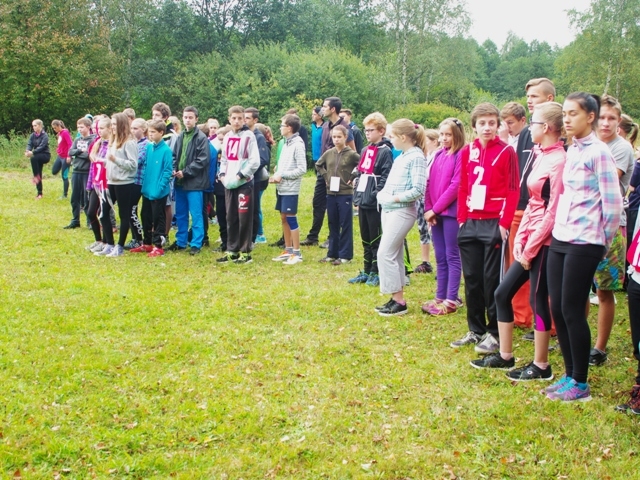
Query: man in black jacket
{"points": [[191, 159]]}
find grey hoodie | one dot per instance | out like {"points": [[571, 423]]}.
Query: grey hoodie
{"points": [[292, 165], [123, 170]]}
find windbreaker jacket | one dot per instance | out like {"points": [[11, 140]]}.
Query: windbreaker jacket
{"points": [[196, 170], [441, 194]]}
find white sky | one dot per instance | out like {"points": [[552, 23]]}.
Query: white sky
{"points": [[543, 20]]}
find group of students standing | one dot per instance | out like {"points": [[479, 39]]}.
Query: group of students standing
{"points": [[553, 206]]}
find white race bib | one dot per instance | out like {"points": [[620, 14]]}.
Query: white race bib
{"points": [[362, 182], [478, 197], [564, 206], [334, 185]]}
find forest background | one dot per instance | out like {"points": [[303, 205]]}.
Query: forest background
{"points": [[65, 58]]}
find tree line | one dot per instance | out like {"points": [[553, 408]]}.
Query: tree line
{"points": [[63, 59]]}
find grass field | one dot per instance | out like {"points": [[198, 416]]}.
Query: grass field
{"points": [[180, 368]]}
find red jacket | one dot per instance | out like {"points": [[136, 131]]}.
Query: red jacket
{"points": [[496, 167]]}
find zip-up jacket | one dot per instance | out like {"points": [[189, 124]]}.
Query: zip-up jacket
{"points": [[441, 194], [196, 170], [158, 171], [383, 162], [292, 165], [338, 164], [79, 153]]}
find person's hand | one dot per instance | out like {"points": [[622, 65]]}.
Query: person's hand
{"points": [[68, 160], [277, 178], [179, 174], [503, 132], [396, 199], [503, 233], [430, 217], [111, 157], [525, 264], [517, 252], [28, 153]]}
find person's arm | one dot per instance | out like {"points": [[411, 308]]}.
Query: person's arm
{"points": [[299, 162], [167, 168], [253, 161], [44, 143], [635, 176], [127, 156], [510, 163], [321, 166], [263, 151], [418, 174], [199, 165], [30, 143], [386, 162], [610, 197], [463, 191], [450, 195], [73, 151]]}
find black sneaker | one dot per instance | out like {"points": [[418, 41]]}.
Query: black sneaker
{"points": [[72, 226], [597, 357], [228, 257], [424, 267], [243, 258], [132, 244], [205, 242], [325, 244], [530, 372], [493, 360], [279, 243], [194, 251], [529, 336], [308, 242], [381, 307], [392, 309], [633, 404], [174, 247]]}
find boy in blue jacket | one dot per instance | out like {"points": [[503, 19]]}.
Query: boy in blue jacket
{"points": [[155, 189]]}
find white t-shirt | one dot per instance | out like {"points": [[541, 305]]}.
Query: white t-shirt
{"points": [[622, 153]]}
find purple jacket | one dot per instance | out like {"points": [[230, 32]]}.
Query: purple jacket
{"points": [[441, 194]]}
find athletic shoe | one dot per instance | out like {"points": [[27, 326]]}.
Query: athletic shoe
{"points": [[381, 307], [597, 357], [228, 257], [117, 251], [308, 243], [156, 252], [293, 259], [556, 386], [142, 249], [279, 243], [424, 267], [105, 251], [174, 247], [530, 372], [205, 242], [39, 196], [243, 258], [132, 244], [633, 404], [407, 280], [361, 277], [194, 251], [470, 338], [392, 309], [493, 360], [327, 260], [261, 239], [340, 261], [429, 303], [163, 241], [458, 302], [438, 309], [93, 245], [594, 300], [325, 244], [529, 336], [282, 257], [488, 344], [374, 280], [571, 392], [99, 247], [71, 226]]}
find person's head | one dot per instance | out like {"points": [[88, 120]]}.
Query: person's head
{"points": [[236, 117], [485, 120], [316, 115], [432, 137], [375, 127], [130, 113], [406, 134], [580, 114], [292, 111], [628, 129], [204, 128], [609, 118], [84, 126], [346, 114], [251, 117], [139, 128], [155, 130], [37, 126], [213, 125], [268, 134], [331, 107], [514, 117], [57, 125], [175, 123], [160, 111], [222, 131], [289, 125], [339, 136], [452, 135], [546, 121], [104, 128], [121, 129], [190, 117], [539, 90]]}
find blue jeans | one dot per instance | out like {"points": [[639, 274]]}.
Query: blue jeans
{"points": [[340, 215], [189, 202]]}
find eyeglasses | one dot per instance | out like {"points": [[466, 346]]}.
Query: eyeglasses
{"points": [[369, 130], [283, 125], [536, 123]]}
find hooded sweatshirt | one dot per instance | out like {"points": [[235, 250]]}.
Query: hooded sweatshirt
{"points": [[441, 194], [292, 165], [123, 170], [338, 164], [79, 153], [240, 156], [377, 173], [158, 171]]}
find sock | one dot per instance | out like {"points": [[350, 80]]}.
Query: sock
{"points": [[289, 250], [403, 302], [296, 252], [541, 366], [506, 356]]}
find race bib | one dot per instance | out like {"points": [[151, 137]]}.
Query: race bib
{"points": [[100, 177], [564, 206], [233, 158], [362, 182], [368, 160], [334, 184], [633, 254], [478, 197]]}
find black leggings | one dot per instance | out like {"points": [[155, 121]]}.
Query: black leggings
{"points": [[123, 195], [633, 291], [371, 232], [517, 276], [92, 214], [37, 161], [134, 221], [570, 271]]}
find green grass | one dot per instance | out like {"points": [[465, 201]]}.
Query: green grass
{"points": [[178, 367]]}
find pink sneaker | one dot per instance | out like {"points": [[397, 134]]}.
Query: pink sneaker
{"points": [[430, 303], [444, 308]]}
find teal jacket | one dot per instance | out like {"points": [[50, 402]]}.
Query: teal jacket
{"points": [[158, 171]]}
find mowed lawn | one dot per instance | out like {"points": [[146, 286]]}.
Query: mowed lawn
{"points": [[177, 367]]}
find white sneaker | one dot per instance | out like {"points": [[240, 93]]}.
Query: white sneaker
{"points": [[488, 344], [96, 246], [92, 246], [116, 251], [594, 300], [293, 259], [105, 251], [282, 257]]}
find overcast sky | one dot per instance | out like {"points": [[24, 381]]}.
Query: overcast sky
{"points": [[544, 20]]}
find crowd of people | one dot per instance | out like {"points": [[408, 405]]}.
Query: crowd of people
{"points": [[532, 213]]}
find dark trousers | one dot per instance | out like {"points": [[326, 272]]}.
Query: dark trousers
{"points": [[93, 205], [37, 161], [634, 320], [123, 196], [79, 199], [570, 271], [517, 276], [61, 166], [340, 216], [481, 250], [319, 204], [134, 222], [153, 220], [221, 215], [632, 217], [371, 232], [240, 204]]}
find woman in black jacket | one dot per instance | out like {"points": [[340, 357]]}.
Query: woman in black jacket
{"points": [[38, 152]]}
